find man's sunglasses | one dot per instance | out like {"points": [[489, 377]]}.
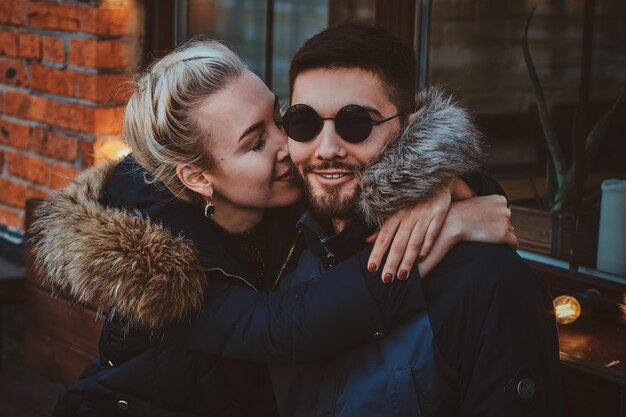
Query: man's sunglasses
{"points": [[353, 123]]}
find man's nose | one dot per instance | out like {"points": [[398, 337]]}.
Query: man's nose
{"points": [[329, 143]]}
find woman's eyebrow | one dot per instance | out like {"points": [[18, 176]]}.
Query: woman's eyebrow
{"points": [[251, 129]]}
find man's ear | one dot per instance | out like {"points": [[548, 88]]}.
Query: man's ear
{"points": [[195, 179]]}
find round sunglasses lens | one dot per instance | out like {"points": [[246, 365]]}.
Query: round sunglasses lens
{"points": [[301, 123], [353, 123]]}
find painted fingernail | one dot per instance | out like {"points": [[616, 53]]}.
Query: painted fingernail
{"points": [[387, 278], [371, 267], [403, 274]]}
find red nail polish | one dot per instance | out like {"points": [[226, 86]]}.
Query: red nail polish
{"points": [[403, 274], [387, 278], [371, 268]]}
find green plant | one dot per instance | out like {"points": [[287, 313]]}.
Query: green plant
{"points": [[558, 197]]}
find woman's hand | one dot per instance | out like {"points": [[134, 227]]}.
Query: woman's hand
{"points": [[480, 219], [409, 235], [484, 219]]}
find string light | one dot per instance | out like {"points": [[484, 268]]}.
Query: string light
{"points": [[568, 308]]}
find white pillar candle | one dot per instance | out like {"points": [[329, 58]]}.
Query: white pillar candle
{"points": [[612, 235]]}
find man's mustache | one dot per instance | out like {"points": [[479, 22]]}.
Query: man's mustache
{"points": [[326, 165]]}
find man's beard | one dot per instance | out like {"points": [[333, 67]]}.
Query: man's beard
{"points": [[330, 203]]}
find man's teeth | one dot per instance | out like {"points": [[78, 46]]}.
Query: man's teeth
{"points": [[332, 176]]}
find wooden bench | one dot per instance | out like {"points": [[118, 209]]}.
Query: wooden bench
{"points": [[60, 337], [11, 291]]}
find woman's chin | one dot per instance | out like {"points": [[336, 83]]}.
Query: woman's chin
{"points": [[286, 198]]}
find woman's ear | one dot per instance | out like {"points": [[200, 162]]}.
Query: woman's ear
{"points": [[195, 179]]}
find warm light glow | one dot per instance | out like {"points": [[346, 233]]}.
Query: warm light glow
{"points": [[566, 309], [110, 148]]}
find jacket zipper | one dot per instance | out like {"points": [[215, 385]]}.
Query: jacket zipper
{"points": [[330, 256], [233, 276], [293, 246], [282, 268]]}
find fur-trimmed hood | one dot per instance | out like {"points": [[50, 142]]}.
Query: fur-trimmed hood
{"points": [[113, 259], [437, 145], [123, 263]]}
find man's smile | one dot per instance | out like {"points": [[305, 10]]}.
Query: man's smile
{"points": [[333, 178]]}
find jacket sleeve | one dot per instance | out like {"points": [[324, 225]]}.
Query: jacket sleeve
{"points": [[483, 184], [511, 365], [341, 308]]}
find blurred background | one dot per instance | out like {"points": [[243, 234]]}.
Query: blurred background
{"points": [[63, 69]]}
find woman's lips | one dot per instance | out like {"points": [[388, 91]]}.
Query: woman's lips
{"points": [[287, 176]]}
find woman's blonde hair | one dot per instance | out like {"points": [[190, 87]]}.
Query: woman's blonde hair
{"points": [[159, 122]]}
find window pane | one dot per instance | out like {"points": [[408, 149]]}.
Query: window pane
{"points": [[294, 22], [476, 53], [240, 23]]}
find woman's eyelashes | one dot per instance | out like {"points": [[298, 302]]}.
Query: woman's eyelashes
{"points": [[259, 144]]}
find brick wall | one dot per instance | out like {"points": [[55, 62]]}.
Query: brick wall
{"points": [[63, 65]]}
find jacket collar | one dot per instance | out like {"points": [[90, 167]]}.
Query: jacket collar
{"points": [[331, 248], [115, 259], [127, 188]]}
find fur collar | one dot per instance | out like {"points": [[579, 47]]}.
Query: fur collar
{"points": [[115, 260], [123, 263], [439, 144]]}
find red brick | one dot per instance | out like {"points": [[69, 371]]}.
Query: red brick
{"points": [[33, 192], [11, 217], [109, 20], [101, 53], [25, 106], [61, 175], [57, 16], [87, 153], [8, 43], [13, 12], [57, 146], [5, 11], [13, 72], [104, 87], [30, 168], [53, 49], [14, 134], [13, 193], [108, 121], [69, 116], [19, 12], [56, 81], [29, 45]]}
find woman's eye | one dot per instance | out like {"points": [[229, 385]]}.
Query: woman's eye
{"points": [[260, 144]]}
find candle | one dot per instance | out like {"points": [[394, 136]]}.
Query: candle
{"points": [[612, 234]]}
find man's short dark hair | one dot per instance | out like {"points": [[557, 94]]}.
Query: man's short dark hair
{"points": [[366, 47]]}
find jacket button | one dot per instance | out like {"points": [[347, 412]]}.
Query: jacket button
{"points": [[122, 405], [378, 335], [526, 389]]}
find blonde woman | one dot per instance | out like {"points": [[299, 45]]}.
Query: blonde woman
{"points": [[183, 242]]}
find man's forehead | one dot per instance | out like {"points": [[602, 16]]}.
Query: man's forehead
{"points": [[337, 87]]}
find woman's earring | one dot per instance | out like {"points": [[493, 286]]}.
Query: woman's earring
{"points": [[209, 208]]}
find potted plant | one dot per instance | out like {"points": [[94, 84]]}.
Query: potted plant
{"points": [[545, 225]]}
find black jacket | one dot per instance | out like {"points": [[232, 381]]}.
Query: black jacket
{"points": [[186, 332], [490, 348], [185, 337]]}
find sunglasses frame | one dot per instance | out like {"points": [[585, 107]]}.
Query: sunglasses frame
{"points": [[320, 121]]}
